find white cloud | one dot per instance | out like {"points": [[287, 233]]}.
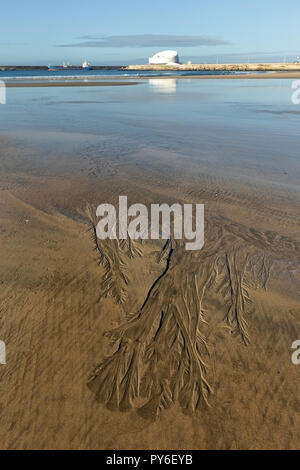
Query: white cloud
{"points": [[147, 40]]}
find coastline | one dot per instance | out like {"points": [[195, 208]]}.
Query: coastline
{"points": [[269, 75], [242, 67], [120, 80]]}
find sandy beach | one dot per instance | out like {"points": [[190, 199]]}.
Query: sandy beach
{"points": [[144, 345], [149, 230]]}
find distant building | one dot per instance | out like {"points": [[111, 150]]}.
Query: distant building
{"points": [[164, 58]]}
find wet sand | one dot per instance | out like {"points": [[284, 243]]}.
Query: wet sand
{"points": [[223, 318], [145, 345], [120, 81]]}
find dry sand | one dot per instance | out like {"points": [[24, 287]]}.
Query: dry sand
{"points": [[199, 350]]}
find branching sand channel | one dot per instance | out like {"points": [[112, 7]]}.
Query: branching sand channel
{"points": [[162, 354]]}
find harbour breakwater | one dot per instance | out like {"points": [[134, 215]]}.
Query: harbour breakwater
{"points": [[270, 67]]}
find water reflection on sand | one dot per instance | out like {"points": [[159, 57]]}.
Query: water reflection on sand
{"points": [[163, 85]]}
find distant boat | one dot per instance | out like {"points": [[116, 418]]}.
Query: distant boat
{"points": [[85, 66]]}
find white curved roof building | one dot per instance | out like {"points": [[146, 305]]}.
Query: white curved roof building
{"points": [[164, 58]]}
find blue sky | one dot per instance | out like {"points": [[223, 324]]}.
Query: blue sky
{"points": [[128, 31]]}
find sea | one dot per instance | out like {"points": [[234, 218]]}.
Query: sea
{"points": [[245, 127]]}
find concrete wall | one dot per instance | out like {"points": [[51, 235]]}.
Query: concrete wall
{"points": [[213, 67]]}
